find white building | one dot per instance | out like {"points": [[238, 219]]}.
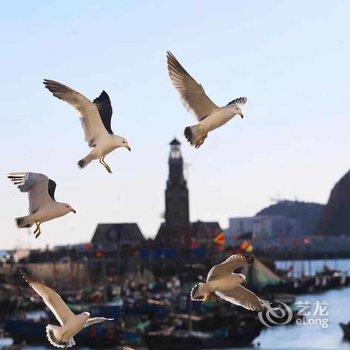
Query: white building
{"points": [[261, 227]]}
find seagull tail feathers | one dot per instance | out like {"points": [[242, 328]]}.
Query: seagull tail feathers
{"points": [[81, 164], [192, 135], [23, 222], [84, 162], [54, 336]]}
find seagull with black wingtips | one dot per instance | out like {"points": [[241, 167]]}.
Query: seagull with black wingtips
{"points": [[62, 336], [42, 204], [95, 119], [209, 115], [223, 280]]}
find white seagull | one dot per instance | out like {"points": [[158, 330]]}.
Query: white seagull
{"points": [[194, 98], [96, 121], [226, 284], [42, 204], [71, 324]]}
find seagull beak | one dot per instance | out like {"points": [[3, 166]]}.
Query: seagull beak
{"points": [[74, 211], [241, 114], [128, 148]]}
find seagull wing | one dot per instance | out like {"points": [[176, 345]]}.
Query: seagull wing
{"points": [[95, 320], [234, 262], [52, 300], [52, 188], [38, 187], [103, 104], [243, 297], [192, 94], [89, 114]]}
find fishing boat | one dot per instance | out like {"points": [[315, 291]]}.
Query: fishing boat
{"points": [[208, 332], [188, 340]]}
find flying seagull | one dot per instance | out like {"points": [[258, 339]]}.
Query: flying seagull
{"points": [[42, 204], [226, 284], [71, 324], [95, 119], [194, 98]]}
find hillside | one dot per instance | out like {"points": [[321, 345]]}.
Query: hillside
{"points": [[335, 220], [307, 214]]}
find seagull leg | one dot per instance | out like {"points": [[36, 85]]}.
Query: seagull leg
{"points": [[102, 161], [37, 230], [106, 166]]}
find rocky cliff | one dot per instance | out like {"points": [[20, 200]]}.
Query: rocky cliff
{"points": [[335, 219]]}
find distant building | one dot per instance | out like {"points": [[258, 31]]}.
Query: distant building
{"points": [[118, 236], [261, 227], [177, 231], [176, 194], [238, 227], [203, 233], [294, 219], [306, 214]]}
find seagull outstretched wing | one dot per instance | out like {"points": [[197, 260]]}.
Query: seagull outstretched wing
{"points": [[243, 297], [95, 320], [89, 113], [104, 106], [234, 262], [52, 300], [40, 189], [192, 94]]}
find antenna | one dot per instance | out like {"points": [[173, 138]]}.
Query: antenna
{"points": [[276, 198]]}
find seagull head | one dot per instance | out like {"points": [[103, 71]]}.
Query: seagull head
{"points": [[241, 278], [237, 105], [67, 208], [196, 294], [121, 142], [84, 316]]}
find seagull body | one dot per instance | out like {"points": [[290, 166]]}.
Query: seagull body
{"points": [[42, 204], [226, 284], [194, 98], [70, 324], [95, 119]]}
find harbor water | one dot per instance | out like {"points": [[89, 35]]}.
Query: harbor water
{"points": [[308, 335]]}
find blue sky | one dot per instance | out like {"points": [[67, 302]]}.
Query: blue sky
{"points": [[290, 58]]}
